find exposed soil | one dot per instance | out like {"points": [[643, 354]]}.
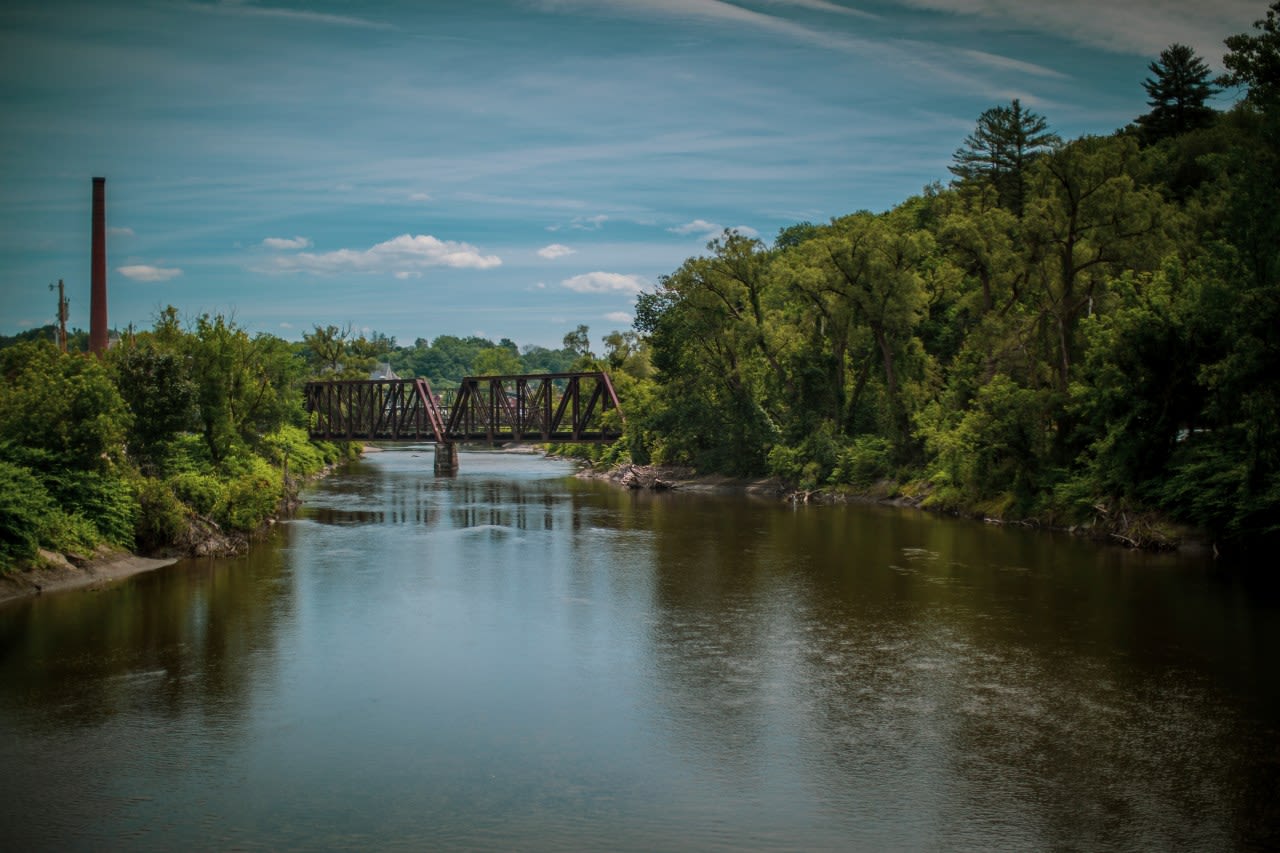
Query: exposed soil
{"points": [[59, 572]]}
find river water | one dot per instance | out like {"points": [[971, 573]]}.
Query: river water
{"points": [[513, 659]]}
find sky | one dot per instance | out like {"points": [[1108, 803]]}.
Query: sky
{"points": [[504, 169]]}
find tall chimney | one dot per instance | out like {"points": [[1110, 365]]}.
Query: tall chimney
{"points": [[98, 273]]}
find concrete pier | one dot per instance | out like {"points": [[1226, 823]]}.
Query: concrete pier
{"points": [[446, 458]]}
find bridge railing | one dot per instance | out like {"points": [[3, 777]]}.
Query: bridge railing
{"points": [[533, 408]]}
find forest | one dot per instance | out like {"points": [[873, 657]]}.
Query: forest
{"points": [[1078, 333], [1071, 333]]}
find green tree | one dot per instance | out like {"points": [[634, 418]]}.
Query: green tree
{"points": [[1176, 92], [1254, 60], [865, 275], [1000, 150], [160, 394], [1088, 220], [579, 342], [62, 405], [496, 361]]}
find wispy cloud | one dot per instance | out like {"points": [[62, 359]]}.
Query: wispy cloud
{"points": [[419, 197], [1134, 26], [555, 250], [236, 7], [119, 231], [405, 255], [825, 6], [605, 282], [729, 13], [618, 317], [589, 223], [146, 272], [286, 243], [1004, 63]]}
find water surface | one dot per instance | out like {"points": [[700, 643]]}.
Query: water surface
{"points": [[514, 659]]}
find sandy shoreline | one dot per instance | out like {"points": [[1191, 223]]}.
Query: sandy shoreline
{"points": [[59, 574]]}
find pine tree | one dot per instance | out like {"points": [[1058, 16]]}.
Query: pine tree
{"points": [[1000, 150], [1176, 93]]}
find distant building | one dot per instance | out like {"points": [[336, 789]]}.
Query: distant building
{"points": [[383, 371]]}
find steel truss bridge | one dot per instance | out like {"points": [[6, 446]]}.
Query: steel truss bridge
{"points": [[536, 408]]}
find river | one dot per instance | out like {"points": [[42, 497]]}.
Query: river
{"points": [[514, 659]]}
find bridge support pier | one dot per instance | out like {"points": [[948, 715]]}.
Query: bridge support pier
{"points": [[446, 458]]}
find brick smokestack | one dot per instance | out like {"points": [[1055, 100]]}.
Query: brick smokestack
{"points": [[98, 273]]}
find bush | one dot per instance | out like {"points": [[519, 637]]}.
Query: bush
{"points": [[107, 499], [25, 506], [291, 442], [864, 462], [30, 519], [201, 492], [162, 518], [253, 493]]}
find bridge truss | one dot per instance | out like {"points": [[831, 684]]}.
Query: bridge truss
{"points": [[536, 408]]}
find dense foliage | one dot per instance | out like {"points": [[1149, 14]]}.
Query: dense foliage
{"points": [[1078, 332], [173, 434]]}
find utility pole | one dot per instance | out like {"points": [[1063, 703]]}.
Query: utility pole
{"points": [[63, 313]]}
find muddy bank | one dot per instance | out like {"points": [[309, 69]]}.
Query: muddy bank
{"points": [[60, 572]]}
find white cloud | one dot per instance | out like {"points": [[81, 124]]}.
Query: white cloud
{"points": [[403, 256], [286, 243], [618, 317], [419, 197], [405, 275], [604, 282], [555, 250], [697, 226], [145, 272], [120, 231], [286, 325], [707, 229]]}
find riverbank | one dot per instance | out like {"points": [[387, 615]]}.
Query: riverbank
{"points": [[203, 537], [58, 572], [1146, 531]]}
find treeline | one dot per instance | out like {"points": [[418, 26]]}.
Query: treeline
{"points": [[338, 352], [189, 436], [177, 439], [1075, 332]]}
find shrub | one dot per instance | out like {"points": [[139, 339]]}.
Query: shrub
{"points": [[202, 492], [253, 493], [864, 462], [162, 518], [24, 508]]}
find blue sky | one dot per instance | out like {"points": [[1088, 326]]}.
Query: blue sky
{"points": [[508, 169]]}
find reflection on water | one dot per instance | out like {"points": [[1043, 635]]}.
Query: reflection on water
{"points": [[515, 659]]}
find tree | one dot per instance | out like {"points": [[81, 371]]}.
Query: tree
{"points": [[579, 341], [1088, 221], [496, 361], [1254, 61], [999, 151], [155, 384], [1176, 93]]}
